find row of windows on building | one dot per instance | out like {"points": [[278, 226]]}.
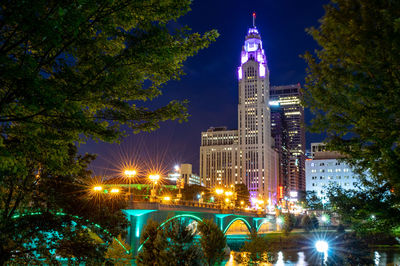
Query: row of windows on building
{"points": [[325, 164], [338, 170], [329, 177], [334, 182]]}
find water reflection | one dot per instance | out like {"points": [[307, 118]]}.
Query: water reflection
{"points": [[381, 258]]}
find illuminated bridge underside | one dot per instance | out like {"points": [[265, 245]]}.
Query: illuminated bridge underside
{"points": [[231, 223]]}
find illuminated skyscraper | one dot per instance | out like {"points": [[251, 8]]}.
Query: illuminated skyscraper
{"points": [[245, 155], [254, 118], [287, 99]]}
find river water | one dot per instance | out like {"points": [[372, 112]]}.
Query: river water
{"points": [[382, 256]]}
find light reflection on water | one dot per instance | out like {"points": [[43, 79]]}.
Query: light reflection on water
{"points": [[381, 258]]}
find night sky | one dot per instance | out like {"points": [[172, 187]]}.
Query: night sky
{"points": [[210, 83]]}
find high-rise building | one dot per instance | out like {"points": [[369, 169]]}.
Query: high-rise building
{"points": [[287, 100], [184, 173], [326, 169], [245, 155], [279, 134]]}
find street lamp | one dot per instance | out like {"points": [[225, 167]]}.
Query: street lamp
{"points": [[154, 179], [322, 247], [130, 173], [97, 188], [114, 190], [219, 192]]}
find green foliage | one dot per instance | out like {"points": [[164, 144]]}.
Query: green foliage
{"points": [[153, 247], [314, 222], [289, 221], [368, 212], [306, 223], [213, 242], [256, 250], [53, 218], [353, 84], [313, 202], [172, 244], [69, 71], [117, 255]]}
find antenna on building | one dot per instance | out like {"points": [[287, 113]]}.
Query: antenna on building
{"points": [[254, 19]]}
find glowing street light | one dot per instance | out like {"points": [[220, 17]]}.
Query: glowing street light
{"points": [[154, 178], [219, 191], [97, 188], [167, 198], [130, 173], [228, 193], [114, 190], [321, 246]]}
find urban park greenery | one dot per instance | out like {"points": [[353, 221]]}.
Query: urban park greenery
{"points": [[212, 241], [353, 83], [70, 71]]}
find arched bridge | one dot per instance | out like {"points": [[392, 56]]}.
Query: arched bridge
{"points": [[231, 222]]}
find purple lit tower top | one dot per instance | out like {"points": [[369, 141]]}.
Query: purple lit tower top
{"points": [[253, 50], [258, 161]]}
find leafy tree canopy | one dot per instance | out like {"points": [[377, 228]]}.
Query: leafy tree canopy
{"points": [[353, 84], [173, 244], [370, 211], [69, 71], [212, 241], [312, 201]]}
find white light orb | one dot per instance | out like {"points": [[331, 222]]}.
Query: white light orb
{"points": [[321, 246]]}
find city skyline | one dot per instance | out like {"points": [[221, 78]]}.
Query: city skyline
{"points": [[178, 143]]}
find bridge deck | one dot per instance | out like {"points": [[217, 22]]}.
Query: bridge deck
{"points": [[189, 206]]}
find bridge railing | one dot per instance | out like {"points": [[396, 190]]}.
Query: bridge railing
{"points": [[184, 204]]}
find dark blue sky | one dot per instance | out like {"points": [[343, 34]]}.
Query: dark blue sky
{"points": [[211, 82]]}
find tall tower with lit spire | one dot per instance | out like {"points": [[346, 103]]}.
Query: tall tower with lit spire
{"points": [[245, 156], [258, 159]]}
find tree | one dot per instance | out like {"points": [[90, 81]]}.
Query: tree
{"points": [[314, 222], [289, 222], [181, 247], [153, 245], [306, 223], [313, 202], [213, 242], [353, 83], [62, 215], [172, 244], [256, 250], [73, 70], [117, 255], [372, 211]]}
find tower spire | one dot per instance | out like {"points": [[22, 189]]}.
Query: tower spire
{"points": [[254, 19]]}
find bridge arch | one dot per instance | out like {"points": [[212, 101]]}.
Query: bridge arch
{"points": [[16, 216], [194, 217], [262, 223], [236, 219]]}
